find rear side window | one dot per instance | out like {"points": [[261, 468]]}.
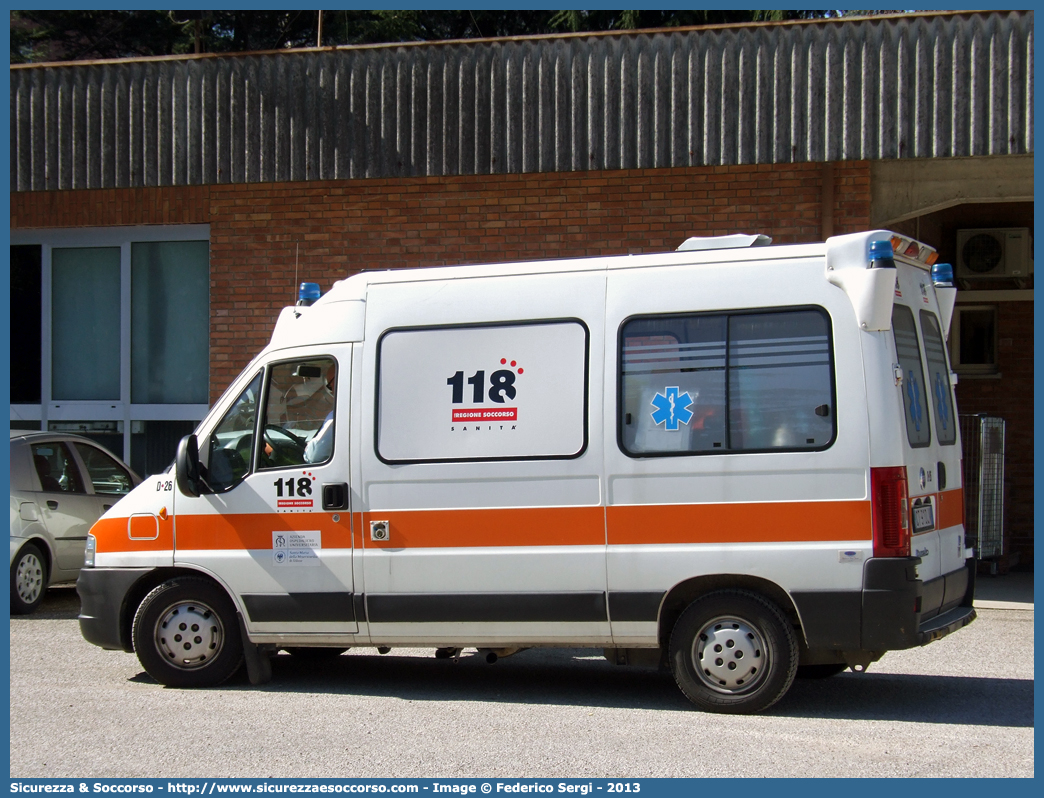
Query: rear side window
{"points": [[938, 379], [908, 353], [739, 382]]}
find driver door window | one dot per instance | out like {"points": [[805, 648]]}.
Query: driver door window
{"points": [[299, 414]]}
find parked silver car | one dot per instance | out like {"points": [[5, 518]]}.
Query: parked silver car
{"points": [[60, 485]]}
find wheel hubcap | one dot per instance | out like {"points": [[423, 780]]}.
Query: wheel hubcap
{"points": [[29, 578], [730, 655], [189, 635]]}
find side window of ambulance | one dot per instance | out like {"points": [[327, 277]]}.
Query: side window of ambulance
{"points": [[938, 379], [727, 383], [909, 355], [299, 414], [229, 449], [673, 384]]}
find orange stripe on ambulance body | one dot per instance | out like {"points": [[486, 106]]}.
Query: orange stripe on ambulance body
{"points": [[115, 534], [523, 526], [254, 530], [770, 522], [635, 524], [951, 508]]}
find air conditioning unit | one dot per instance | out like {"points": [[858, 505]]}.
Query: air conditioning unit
{"points": [[994, 253]]}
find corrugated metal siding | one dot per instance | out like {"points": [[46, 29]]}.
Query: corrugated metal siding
{"points": [[918, 87]]}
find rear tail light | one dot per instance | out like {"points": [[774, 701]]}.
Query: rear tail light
{"points": [[891, 518]]}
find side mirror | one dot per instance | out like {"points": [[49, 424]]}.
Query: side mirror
{"points": [[187, 466]]}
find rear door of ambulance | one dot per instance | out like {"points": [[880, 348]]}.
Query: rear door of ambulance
{"points": [[932, 447]]}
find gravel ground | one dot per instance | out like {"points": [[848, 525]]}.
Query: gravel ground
{"points": [[962, 707]]}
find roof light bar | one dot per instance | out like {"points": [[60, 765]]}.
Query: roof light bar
{"points": [[914, 250], [308, 293], [942, 275], [881, 255]]}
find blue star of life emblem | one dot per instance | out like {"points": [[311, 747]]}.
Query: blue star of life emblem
{"points": [[913, 391], [941, 405], [672, 408]]}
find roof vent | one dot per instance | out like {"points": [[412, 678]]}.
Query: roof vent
{"points": [[737, 241]]}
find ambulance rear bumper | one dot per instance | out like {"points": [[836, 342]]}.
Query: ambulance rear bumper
{"points": [[894, 610]]}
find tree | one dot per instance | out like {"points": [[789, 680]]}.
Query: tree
{"points": [[44, 35]]}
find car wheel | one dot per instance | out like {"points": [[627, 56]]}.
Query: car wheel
{"points": [[28, 579], [733, 651], [186, 634], [820, 671]]}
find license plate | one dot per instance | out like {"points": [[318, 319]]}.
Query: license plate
{"points": [[923, 517]]}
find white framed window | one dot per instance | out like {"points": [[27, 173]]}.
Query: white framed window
{"points": [[111, 335], [973, 340]]}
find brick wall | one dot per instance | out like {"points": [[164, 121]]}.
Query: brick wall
{"points": [[111, 207], [1011, 398], [267, 237]]}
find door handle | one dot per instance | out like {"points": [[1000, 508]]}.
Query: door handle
{"points": [[335, 496], [52, 504], [106, 507]]}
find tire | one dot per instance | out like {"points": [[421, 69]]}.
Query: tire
{"points": [[313, 654], [28, 579], [820, 671], [208, 657], [757, 647]]}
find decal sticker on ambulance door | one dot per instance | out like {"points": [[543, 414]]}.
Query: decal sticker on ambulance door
{"points": [[513, 391]]}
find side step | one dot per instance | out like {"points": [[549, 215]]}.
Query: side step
{"points": [[942, 625]]}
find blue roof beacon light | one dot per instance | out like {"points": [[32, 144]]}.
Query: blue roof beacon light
{"points": [[308, 293], [942, 275], [881, 255]]}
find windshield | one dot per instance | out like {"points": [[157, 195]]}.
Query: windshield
{"points": [[230, 444]]}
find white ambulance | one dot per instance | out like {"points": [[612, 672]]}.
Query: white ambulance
{"points": [[738, 461]]}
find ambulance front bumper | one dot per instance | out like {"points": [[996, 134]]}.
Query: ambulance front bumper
{"points": [[103, 600]]}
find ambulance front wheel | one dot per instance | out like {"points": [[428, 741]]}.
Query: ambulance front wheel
{"points": [[186, 635], [733, 651]]}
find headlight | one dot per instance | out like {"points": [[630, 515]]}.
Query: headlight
{"points": [[92, 547]]}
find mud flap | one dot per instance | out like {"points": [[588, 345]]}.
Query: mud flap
{"points": [[258, 664]]}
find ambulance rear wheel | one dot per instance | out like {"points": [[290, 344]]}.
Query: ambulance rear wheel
{"points": [[186, 634], [733, 651]]}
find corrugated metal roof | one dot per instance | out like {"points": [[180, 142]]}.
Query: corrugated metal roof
{"points": [[895, 87]]}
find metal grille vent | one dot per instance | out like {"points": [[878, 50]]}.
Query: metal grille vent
{"points": [[983, 439]]}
